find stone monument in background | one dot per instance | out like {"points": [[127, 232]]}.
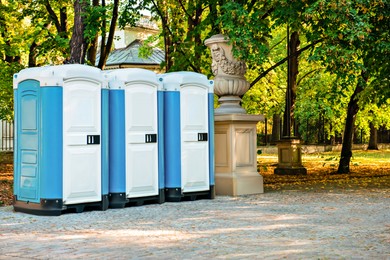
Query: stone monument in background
{"points": [[235, 130]]}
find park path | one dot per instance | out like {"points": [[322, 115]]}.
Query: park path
{"points": [[293, 225]]}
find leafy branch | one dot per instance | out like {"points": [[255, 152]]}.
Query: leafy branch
{"points": [[264, 73]]}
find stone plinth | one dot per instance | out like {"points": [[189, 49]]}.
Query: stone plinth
{"points": [[235, 155], [289, 157]]}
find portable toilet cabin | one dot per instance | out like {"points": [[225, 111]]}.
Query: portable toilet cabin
{"points": [[136, 138], [61, 144], [189, 136]]}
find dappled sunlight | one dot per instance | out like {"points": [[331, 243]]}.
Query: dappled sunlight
{"points": [[287, 225], [268, 227], [14, 224], [126, 237]]}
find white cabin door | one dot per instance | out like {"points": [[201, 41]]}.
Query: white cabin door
{"points": [[141, 140], [194, 139], [82, 149]]}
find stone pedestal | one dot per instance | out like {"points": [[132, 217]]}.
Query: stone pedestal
{"points": [[289, 157], [235, 155], [235, 131]]}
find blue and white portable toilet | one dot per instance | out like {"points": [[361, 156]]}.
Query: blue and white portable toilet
{"points": [[189, 136], [61, 145], [136, 137]]}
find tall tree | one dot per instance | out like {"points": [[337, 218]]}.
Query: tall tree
{"points": [[291, 91], [353, 108], [373, 142], [93, 39], [107, 43], [12, 47], [78, 43], [348, 31], [185, 24], [48, 33]]}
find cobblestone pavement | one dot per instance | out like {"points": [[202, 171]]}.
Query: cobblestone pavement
{"points": [[293, 225]]}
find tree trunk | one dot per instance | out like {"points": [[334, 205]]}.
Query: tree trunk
{"points": [[33, 51], [193, 20], [64, 22], [93, 46], [275, 128], [292, 74], [167, 41], [353, 108], [60, 24], [294, 47], [32, 55], [92, 50], [78, 45], [373, 143], [104, 54]]}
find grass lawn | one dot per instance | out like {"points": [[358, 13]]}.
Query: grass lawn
{"points": [[369, 170]]}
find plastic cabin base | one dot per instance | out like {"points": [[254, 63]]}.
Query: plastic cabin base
{"points": [[55, 207], [119, 200], [176, 195]]}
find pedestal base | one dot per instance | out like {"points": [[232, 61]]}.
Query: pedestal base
{"points": [[289, 157], [235, 155], [291, 171], [236, 184], [229, 105]]}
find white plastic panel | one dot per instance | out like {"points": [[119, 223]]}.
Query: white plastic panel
{"points": [[141, 171], [55, 75], [141, 157], [82, 161], [194, 153]]}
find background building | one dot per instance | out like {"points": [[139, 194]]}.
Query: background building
{"points": [[127, 43]]}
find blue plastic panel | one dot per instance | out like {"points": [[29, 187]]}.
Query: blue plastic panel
{"points": [[28, 134], [16, 143], [105, 141], [172, 137], [211, 137], [51, 143], [117, 144], [160, 136]]}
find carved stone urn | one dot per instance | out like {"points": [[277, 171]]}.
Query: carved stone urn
{"points": [[229, 81]]}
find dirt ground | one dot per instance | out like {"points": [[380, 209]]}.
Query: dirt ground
{"points": [[370, 170], [6, 178]]}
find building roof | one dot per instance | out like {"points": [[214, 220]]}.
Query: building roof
{"points": [[129, 56]]}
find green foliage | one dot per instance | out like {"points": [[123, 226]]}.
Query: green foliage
{"points": [[94, 17], [48, 31], [267, 96], [130, 13], [11, 37], [249, 29], [321, 98], [184, 27], [352, 36], [7, 71], [148, 45], [378, 115]]}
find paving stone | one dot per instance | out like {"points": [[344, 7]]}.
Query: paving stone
{"points": [[293, 225]]}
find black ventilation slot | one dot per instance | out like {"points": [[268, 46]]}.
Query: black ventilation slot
{"points": [[93, 139], [202, 137], [151, 138]]}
